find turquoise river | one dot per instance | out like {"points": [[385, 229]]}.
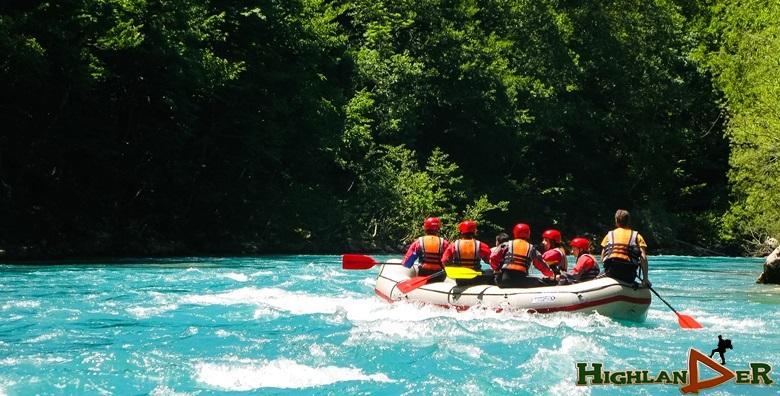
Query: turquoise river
{"points": [[302, 325]]}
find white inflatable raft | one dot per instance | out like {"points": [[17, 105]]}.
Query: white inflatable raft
{"points": [[606, 296]]}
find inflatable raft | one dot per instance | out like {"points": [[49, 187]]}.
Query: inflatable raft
{"points": [[606, 296]]}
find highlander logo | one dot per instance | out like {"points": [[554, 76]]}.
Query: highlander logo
{"points": [[756, 374]]}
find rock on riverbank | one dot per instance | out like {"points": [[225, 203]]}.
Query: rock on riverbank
{"points": [[771, 272]]}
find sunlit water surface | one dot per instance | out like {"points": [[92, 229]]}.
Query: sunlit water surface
{"points": [[302, 325]]}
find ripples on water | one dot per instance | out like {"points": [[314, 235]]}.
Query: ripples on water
{"points": [[300, 324]]}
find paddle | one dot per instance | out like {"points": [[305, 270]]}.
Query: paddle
{"points": [[452, 272], [413, 283], [686, 322], [462, 273], [361, 262]]}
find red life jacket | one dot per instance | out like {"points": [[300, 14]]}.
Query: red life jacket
{"points": [[564, 261], [431, 248], [466, 254], [518, 256], [592, 272], [563, 264]]}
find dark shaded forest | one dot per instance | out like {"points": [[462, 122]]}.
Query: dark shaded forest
{"points": [[150, 127]]}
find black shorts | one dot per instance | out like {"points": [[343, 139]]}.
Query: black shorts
{"points": [[487, 278], [515, 279], [626, 272]]}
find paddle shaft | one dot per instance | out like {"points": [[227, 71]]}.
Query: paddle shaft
{"points": [[662, 299]]}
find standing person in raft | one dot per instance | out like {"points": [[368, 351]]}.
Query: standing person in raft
{"points": [[429, 250], [554, 254], [587, 267], [467, 252], [514, 258], [624, 251]]}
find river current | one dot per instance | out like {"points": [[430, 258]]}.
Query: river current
{"points": [[302, 325]]}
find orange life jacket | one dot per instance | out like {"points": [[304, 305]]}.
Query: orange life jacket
{"points": [[431, 250], [466, 254], [518, 256], [622, 247]]}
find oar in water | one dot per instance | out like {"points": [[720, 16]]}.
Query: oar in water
{"points": [[686, 322], [361, 262], [452, 272]]}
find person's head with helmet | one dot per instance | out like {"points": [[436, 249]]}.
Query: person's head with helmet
{"points": [[432, 226], [467, 229], [521, 231], [551, 239], [579, 246]]}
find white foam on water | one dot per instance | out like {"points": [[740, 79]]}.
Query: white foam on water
{"points": [[381, 322], [568, 388], [296, 303], [722, 323], [147, 312], [21, 304], [468, 350], [97, 360], [261, 273], [162, 390], [266, 313], [316, 350], [324, 273], [35, 360], [560, 362], [711, 321], [471, 388], [247, 375], [222, 333], [370, 282], [236, 276], [45, 337], [161, 303]]}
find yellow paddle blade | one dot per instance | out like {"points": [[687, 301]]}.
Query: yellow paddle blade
{"points": [[461, 273]]}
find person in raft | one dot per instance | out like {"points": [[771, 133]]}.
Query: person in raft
{"points": [[500, 238], [467, 251], [514, 258], [554, 253], [624, 251], [429, 250], [587, 267]]}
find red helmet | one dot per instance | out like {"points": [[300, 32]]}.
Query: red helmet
{"points": [[467, 227], [553, 235], [521, 231], [432, 223], [580, 242]]}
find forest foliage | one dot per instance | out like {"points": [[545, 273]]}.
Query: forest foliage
{"points": [[134, 127]]}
